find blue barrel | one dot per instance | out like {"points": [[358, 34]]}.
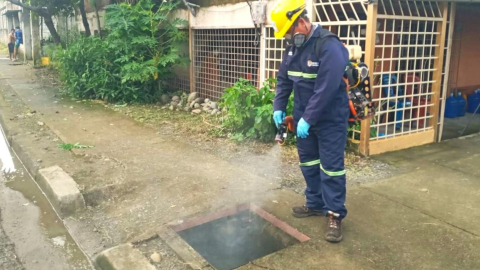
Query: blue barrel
{"points": [[462, 104], [451, 107], [474, 101]]}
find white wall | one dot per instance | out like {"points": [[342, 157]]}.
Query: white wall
{"points": [[92, 21]]}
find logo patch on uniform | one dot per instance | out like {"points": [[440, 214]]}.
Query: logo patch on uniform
{"points": [[290, 53], [310, 63]]}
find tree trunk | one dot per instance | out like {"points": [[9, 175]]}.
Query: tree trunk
{"points": [[81, 6], [51, 28], [98, 22]]}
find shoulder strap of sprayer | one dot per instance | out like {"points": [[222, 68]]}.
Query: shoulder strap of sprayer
{"points": [[324, 36]]}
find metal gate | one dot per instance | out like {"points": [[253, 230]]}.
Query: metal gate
{"points": [[407, 73], [221, 57]]}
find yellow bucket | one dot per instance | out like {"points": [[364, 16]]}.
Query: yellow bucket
{"points": [[45, 61]]}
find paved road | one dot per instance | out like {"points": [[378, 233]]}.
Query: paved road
{"points": [[8, 258], [31, 235]]}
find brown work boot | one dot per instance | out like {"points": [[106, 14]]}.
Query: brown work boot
{"points": [[303, 211], [334, 228]]}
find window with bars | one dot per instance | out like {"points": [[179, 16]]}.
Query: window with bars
{"points": [[221, 57], [405, 55]]}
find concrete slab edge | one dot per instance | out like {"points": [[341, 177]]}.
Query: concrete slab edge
{"points": [[61, 189], [123, 257], [190, 256]]}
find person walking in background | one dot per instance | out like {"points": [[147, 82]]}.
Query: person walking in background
{"points": [[18, 42], [11, 44]]}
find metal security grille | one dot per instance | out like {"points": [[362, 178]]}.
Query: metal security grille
{"points": [[274, 50], [405, 55], [221, 57], [347, 19], [179, 82]]}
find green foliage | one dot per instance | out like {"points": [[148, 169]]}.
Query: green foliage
{"points": [[354, 130], [132, 62], [250, 110], [70, 146]]}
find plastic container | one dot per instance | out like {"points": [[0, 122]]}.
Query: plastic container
{"points": [[462, 103], [391, 91], [412, 84], [451, 107], [45, 61], [420, 112], [473, 101]]}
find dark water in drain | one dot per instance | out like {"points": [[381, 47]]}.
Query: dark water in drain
{"points": [[235, 240]]}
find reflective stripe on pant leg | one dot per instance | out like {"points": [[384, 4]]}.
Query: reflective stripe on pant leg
{"points": [[330, 173], [310, 163]]}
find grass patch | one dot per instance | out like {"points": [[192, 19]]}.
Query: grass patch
{"points": [[70, 146]]}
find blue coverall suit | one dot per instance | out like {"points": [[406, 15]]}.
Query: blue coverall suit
{"points": [[320, 98]]}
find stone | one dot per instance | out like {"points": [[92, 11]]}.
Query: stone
{"points": [[214, 111], [192, 97], [155, 257], [179, 105], [199, 100], [176, 98], [207, 109], [196, 106], [219, 113], [164, 99], [171, 108], [61, 190], [40, 123], [207, 100], [213, 105], [174, 103], [197, 111], [188, 109], [123, 257], [192, 104]]}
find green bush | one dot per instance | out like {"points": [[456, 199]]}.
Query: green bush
{"points": [[132, 62], [250, 110]]}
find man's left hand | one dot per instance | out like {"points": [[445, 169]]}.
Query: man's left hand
{"points": [[302, 128]]}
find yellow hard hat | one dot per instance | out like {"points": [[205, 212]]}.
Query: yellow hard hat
{"points": [[284, 15]]}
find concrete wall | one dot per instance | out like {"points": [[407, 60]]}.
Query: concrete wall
{"points": [[466, 49], [92, 21]]}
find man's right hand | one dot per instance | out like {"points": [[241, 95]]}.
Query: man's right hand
{"points": [[278, 117]]}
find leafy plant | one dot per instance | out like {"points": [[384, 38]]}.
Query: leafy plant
{"points": [[131, 63], [250, 110], [69, 146]]}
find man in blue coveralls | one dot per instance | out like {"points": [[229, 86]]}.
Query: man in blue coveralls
{"points": [[320, 110]]}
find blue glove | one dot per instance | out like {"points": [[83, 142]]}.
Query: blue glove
{"points": [[302, 128], [278, 117]]}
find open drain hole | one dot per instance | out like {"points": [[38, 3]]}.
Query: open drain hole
{"points": [[233, 237]]}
